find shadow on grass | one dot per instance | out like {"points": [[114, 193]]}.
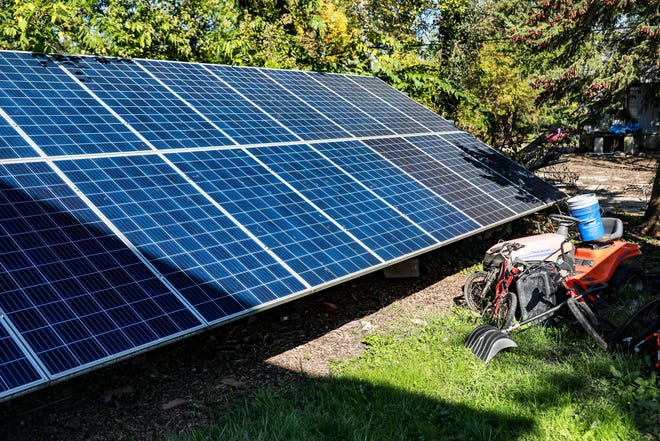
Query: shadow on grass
{"points": [[345, 409]]}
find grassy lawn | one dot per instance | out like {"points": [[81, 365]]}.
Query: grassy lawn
{"points": [[422, 384]]}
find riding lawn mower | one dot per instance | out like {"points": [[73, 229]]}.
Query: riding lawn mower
{"points": [[529, 279]]}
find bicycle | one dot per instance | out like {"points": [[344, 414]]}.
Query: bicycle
{"points": [[489, 294]]}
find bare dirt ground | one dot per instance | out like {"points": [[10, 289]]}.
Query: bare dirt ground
{"points": [[180, 387]]}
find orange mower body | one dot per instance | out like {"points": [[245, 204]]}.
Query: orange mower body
{"points": [[598, 264]]}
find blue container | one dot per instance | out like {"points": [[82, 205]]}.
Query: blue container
{"points": [[585, 207]]}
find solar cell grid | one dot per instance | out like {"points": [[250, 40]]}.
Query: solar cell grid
{"points": [[519, 176], [310, 88], [59, 275], [55, 110], [351, 205], [454, 188], [239, 119], [478, 172], [301, 119], [404, 104], [310, 244], [12, 145], [205, 255], [157, 114], [422, 206], [16, 370], [395, 120]]}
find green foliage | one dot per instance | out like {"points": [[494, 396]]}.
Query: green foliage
{"points": [[505, 106], [592, 50], [43, 25]]}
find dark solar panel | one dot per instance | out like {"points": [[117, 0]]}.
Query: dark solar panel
{"points": [[16, 371], [483, 174], [522, 178], [394, 119], [148, 107], [72, 289], [311, 88], [309, 243], [141, 201], [401, 103], [211, 261], [366, 217], [301, 119], [12, 145], [430, 211], [213, 98], [453, 184], [56, 111]]}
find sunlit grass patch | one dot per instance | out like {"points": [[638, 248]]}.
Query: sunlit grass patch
{"points": [[422, 384]]}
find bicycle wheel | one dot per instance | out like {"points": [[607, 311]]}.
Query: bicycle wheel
{"points": [[587, 319], [478, 290], [506, 310], [639, 325]]}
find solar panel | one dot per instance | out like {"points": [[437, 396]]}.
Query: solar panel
{"points": [[402, 104], [321, 92], [241, 120], [290, 111], [379, 110], [73, 290], [146, 105], [142, 201], [316, 249], [55, 111], [12, 145], [17, 371]]}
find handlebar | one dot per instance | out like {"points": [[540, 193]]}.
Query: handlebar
{"points": [[507, 247]]}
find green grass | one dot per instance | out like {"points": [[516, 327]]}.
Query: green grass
{"points": [[422, 384]]}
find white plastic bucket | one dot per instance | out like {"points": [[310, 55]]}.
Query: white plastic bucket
{"points": [[585, 207]]}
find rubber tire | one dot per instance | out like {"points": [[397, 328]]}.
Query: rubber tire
{"points": [[587, 319], [630, 276], [474, 285], [506, 312], [639, 325]]}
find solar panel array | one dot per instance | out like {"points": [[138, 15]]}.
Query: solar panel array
{"points": [[142, 201]]}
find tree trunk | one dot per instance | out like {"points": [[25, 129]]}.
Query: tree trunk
{"points": [[651, 224]]}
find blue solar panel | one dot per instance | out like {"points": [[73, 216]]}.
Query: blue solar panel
{"points": [[479, 152], [314, 247], [16, 370], [353, 206], [394, 119], [155, 112], [56, 111], [73, 290], [453, 184], [395, 100], [310, 88], [141, 201], [480, 173], [302, 119], [424, 207], [12, 145], [221, 105], [215, 265]]}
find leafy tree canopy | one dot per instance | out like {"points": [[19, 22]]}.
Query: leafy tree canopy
{"points": [[592, 50]]}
